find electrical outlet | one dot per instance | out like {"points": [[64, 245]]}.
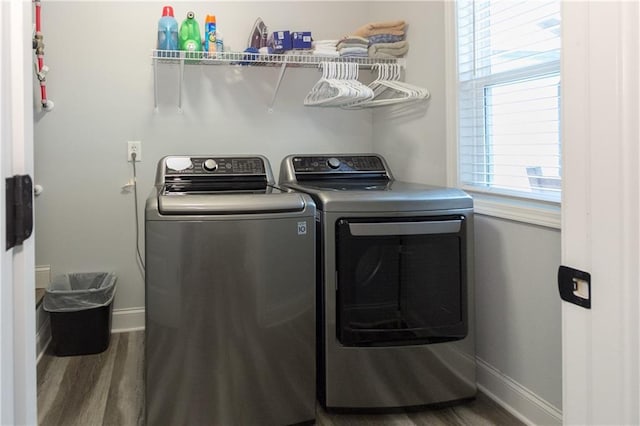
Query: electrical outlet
{"points": [[134, 147]]}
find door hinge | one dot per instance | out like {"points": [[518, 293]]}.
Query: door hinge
{"points": [[575, 286], [19, 209]]}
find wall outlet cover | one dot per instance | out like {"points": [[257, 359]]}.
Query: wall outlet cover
{"points": [[134, 147]]}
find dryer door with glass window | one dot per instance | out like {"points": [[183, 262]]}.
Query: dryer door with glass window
{"points": [[401, 281]]}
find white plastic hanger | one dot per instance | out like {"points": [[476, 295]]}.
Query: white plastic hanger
{"points": [[338, 86], [388, 90]]}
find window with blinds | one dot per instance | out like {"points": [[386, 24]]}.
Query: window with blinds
{"points": [[509, 97]]}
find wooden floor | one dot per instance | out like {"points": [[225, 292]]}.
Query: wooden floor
{"points": [[107, 389]]}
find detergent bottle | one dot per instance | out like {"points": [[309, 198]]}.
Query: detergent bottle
{"points": [[210, 34], [190, 34], [167, 30]]}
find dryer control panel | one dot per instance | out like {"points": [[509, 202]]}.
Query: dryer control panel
{"points": [[338, 164]]}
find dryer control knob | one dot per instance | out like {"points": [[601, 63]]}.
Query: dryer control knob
{"points": [[333, 162], [210, 165]]}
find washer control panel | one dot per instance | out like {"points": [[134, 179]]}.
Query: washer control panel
{"points": [[213, 166], [339, 163]]}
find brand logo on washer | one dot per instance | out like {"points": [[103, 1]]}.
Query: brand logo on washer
{"points": [[302, 228]]}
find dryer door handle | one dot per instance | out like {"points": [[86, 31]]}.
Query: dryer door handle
{"points": [[405, 228]]}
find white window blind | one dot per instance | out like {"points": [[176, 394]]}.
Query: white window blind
{"points": [[509, 97]]}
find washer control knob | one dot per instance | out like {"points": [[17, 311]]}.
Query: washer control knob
{"points": [[333, 162], [210, 165]]}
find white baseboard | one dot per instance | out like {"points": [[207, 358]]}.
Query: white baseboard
{"points": [[515, 398], [130, 319]]}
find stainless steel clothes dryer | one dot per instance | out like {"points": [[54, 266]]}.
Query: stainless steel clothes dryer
{"points": [[230, 296], [394, 281]]}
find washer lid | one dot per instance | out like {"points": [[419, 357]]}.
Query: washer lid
{"points": [[274, 201]]}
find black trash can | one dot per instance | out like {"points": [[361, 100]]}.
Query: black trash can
{"points": [[80, 306]]}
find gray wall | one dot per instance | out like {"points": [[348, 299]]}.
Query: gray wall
{"points": [[413, 140], [517, 307], [101, 81], [103, 89]]}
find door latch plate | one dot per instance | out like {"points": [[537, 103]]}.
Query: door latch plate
{"points": [[19, 209], [574, 286]]}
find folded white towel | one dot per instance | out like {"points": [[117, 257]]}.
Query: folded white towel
{"points": [[327, 53], [323, 46], [319, 49], [325, 42]]}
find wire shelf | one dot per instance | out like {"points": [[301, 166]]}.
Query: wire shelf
{"points": [[295, 59], [259, 59]]}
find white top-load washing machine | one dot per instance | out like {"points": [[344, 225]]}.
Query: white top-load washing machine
{"points": [[395, 294], [230, 295]]}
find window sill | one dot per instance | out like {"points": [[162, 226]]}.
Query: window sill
{"points": [[533, 212]]}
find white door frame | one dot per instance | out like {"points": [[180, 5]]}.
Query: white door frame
{"points": [[18, 404], [601, 210]]}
